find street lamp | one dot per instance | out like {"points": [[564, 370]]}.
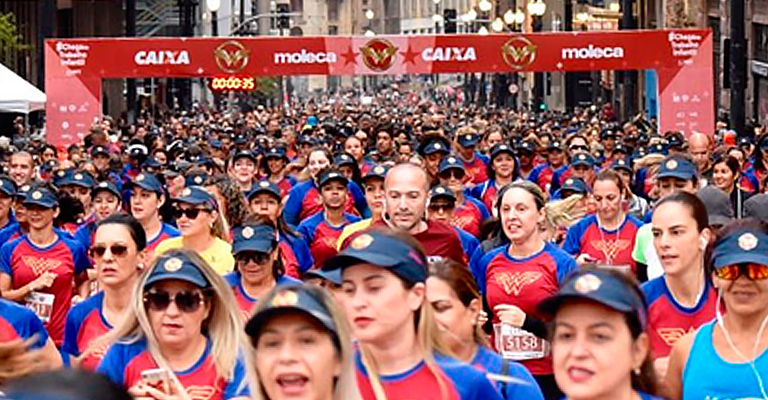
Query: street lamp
{"points": [[482, 31], [509, 17], [485, 5], [213, 7], [370, 33], [537, 8], [369, 14], [471, 15], [437, 17]]}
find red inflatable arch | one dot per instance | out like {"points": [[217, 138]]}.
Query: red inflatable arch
{"points": [[74, 68]]}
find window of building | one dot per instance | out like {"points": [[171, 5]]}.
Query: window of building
{"points": [[760, 40]]}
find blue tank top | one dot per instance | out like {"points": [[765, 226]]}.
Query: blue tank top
{"points": [[708, 377]]}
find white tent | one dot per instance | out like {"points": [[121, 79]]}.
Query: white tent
{"points": [[18, 95]]}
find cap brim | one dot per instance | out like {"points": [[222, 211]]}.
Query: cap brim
{"points": [[32, 202], [181, 277], [261, 246], [550, 306], [677, 175], [258, 321], [189, 200], [348, 260], [739, 258], [719, 219], [333, 276], [96, 190], [145, 186], [262, 190]]}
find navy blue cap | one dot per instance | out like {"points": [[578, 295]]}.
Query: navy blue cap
{"points": [[7, 186], [526, 146], [746, 245], [333, 276], [244, 154], [99, 150], [291, 297], [241, 139], [23, 191], [575, 185], [607, 133], [77, 178], [276, 152], [449, 163], [675, 140], [41, 196], [343, 159], [151, 162], [249, 237], [501, 148], [583, 159], [555, 145], [148, 182], [600, 286], [264, 187], [136, 150], [676, 167], [378, 171], [441, 191], [620, 148], [622, 164], [437, 146], [382, 250], [196, 179], [469, 139], [744, 141], [331, 175], [60, 175], [106, 186], [639, 153], [657, 149], [196, 195], [216, 144], [176, 265]]}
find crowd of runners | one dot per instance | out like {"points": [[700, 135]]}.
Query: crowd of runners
{"points": [[394, 250]]}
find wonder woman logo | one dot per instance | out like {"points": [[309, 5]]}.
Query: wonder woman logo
{"points": [[40, 265], [610, 249], [462, 222], [670, 336], [201, 392], [514, 282]]}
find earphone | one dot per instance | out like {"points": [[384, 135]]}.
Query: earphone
{"points": [[751, 363]]}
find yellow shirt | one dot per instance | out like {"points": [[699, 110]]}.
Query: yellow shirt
{"points": [[218, 256], [351, 229]]}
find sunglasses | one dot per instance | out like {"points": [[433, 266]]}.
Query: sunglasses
{"points": [[578, 147], [256, 256], [191, 213], [117, 250], [456, 174], [186, 301], [755, 272], [441, 207]]}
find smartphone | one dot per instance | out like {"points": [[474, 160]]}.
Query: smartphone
{"points": [[158, 378]]}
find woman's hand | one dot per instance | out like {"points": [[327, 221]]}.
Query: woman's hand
{"points": [[585, 258], [141, 391], [17, 359], [511, 315], [43, 281]]}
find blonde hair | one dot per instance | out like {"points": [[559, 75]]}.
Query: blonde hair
{"points": [[345, 387], [563, 214], [223, 324]]}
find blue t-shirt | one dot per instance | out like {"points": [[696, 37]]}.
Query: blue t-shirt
{"points": [[526, 387]]}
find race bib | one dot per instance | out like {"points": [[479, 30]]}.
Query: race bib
{"points": [[516, 344], [41, 304]]}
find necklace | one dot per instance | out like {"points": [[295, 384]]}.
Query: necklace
{"points": [[609, 249]]}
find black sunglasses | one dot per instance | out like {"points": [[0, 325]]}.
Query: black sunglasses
{"points": [[191, 213], [256, 256], [458, 174], [578, 147], [441, 207], [117, 250], [186, 301]]}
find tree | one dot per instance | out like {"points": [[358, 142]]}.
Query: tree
{"points": [[10, 39]]}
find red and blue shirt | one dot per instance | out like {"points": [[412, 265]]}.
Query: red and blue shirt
{"points": [[470, 215], [24, 262], [295, 255], [305, 201], [523, 282], [668, 321], [542, 175], [245, 302], [476, 169], [486, 192], [17, 322], [322, 236], [124, 363], [85, 324], [608, 247], [469, 243], [166, 232], [454, 380], [486, 360]]}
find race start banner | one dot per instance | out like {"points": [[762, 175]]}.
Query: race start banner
{"points": [[74, 68]]}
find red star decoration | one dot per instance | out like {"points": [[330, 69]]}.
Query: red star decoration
{"points": [[409, 56], [349, 57]]}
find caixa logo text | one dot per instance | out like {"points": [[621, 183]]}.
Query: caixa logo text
{"points": [[592, 52], [162, 57]]}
